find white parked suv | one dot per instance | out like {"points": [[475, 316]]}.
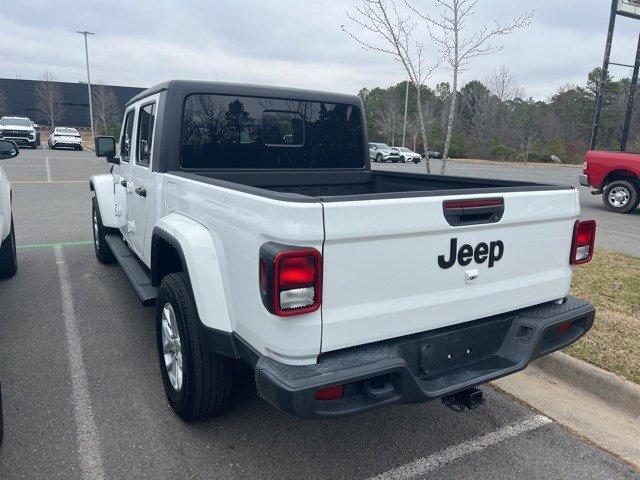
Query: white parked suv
{"points": [[65, 137], [250, 216], [8, 257], [20, 130]]}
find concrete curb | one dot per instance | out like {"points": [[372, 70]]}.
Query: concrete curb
{"points": [[619, 393]]}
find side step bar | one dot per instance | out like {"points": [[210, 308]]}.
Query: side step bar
{"points": [[136, 272]]}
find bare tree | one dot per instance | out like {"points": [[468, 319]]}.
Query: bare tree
{"points": [[459, 50], [503, 84], [395, 37], [48, 98], [105, 107], [389, 118]]}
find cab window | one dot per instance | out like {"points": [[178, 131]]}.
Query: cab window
{"points": [[127, 137], [146, 121]]}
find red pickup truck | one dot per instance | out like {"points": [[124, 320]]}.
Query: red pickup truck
{"points": [[615, 175]]}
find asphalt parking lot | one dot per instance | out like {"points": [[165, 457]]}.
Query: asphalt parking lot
{"points": [[83, 397], [616, 232]]}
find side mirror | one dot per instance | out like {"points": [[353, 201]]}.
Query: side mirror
{"points": [[8, 149], [106, 148]]}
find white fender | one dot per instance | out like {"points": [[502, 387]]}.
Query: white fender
{"points": [[198, 249], [102, 185]]}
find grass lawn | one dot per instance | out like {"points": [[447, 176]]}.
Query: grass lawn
{"points": [[612, 283]]}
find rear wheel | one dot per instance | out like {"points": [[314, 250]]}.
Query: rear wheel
{"points": [[103, 252], [8, 255], [379, 158], [197, 381], [403, 160], [621, 196]]}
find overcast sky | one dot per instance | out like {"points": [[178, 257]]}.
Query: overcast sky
{"points": [[284, 42]]}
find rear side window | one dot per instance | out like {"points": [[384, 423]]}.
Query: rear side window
{"points": [[127, 138], [146, 121], [220, 131]]}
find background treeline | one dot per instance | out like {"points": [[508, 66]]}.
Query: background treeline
{"points": [[496, 120]]}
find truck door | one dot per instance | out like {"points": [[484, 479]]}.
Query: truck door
{"points": [[141, 181], [121, 172]]}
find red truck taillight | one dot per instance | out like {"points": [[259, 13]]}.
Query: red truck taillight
{"points": [[290, 279], [584, 239]]}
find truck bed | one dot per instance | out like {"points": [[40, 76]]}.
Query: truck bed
{"points": [[357, 185]]}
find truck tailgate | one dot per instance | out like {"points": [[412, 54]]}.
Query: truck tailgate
{"points": [[383, 278]]}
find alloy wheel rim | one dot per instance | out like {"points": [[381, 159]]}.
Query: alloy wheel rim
{"points": [[619, 197], [96, 237], [171, 347]]}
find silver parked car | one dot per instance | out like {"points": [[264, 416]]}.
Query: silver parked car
{"points": [[381, 152]]}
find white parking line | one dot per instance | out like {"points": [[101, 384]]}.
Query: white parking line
{"points": [[432, 462], [87, 433], [48, 168]]}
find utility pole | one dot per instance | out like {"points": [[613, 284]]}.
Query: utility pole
{"points": [[406, 110], [86, 53], [632, 94]]}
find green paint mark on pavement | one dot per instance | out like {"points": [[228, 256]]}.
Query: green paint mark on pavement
{"points": [[53, 245]]}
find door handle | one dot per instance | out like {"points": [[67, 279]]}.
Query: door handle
{"points": [[141, 191], [123, 183]]}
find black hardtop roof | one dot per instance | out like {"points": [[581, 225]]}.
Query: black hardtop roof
{"points": [[187, 87]]}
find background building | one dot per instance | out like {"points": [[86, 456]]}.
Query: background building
{"points": [[19, 100]]}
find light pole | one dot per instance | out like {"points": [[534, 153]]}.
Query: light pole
{"points": [[406, 110], [86, 53]]}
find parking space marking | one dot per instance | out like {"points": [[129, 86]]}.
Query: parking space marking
{"points": [[87, 433], [55, 245], [47, 168], [36, 182], [433, 462]]}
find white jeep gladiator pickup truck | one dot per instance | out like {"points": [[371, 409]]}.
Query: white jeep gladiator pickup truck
{"points": [[251, 218]]}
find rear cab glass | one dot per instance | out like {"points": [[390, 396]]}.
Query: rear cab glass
{"points": [[234, 132]]}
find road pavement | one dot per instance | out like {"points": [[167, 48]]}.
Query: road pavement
{"points": [[83, 397]]}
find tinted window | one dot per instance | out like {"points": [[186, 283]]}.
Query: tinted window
{"points": [[221, 131], [146, 121], [127, 138]]}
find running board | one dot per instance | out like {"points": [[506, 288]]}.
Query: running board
{"points": [[135, 271]]}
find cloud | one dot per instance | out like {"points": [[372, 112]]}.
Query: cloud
{"points": [[283, 42]]}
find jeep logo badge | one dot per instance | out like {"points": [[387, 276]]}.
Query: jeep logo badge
{"points": [[492, 252]]}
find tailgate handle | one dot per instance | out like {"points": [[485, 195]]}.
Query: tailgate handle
{"points": [[473, 212]]}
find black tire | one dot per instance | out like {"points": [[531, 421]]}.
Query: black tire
{"points": [[207, 377], [80, 148], [416, 160], [103, 252], [403, 160], [8, 255], [379, 158], [631, 190]]}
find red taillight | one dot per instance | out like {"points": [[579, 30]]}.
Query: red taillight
{"points": [[584, 238], [332, 393], [290, 279], [563, 327]]}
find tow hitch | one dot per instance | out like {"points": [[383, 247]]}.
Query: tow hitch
{"points": [[470, 399]]}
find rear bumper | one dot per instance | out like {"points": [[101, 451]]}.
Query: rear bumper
{"points": [[584, 180], [426, 366]]}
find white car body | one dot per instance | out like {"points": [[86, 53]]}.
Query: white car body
{"points": [[19, 130], [407, 155], [5, 205], [390, 266], [65, 137]]}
